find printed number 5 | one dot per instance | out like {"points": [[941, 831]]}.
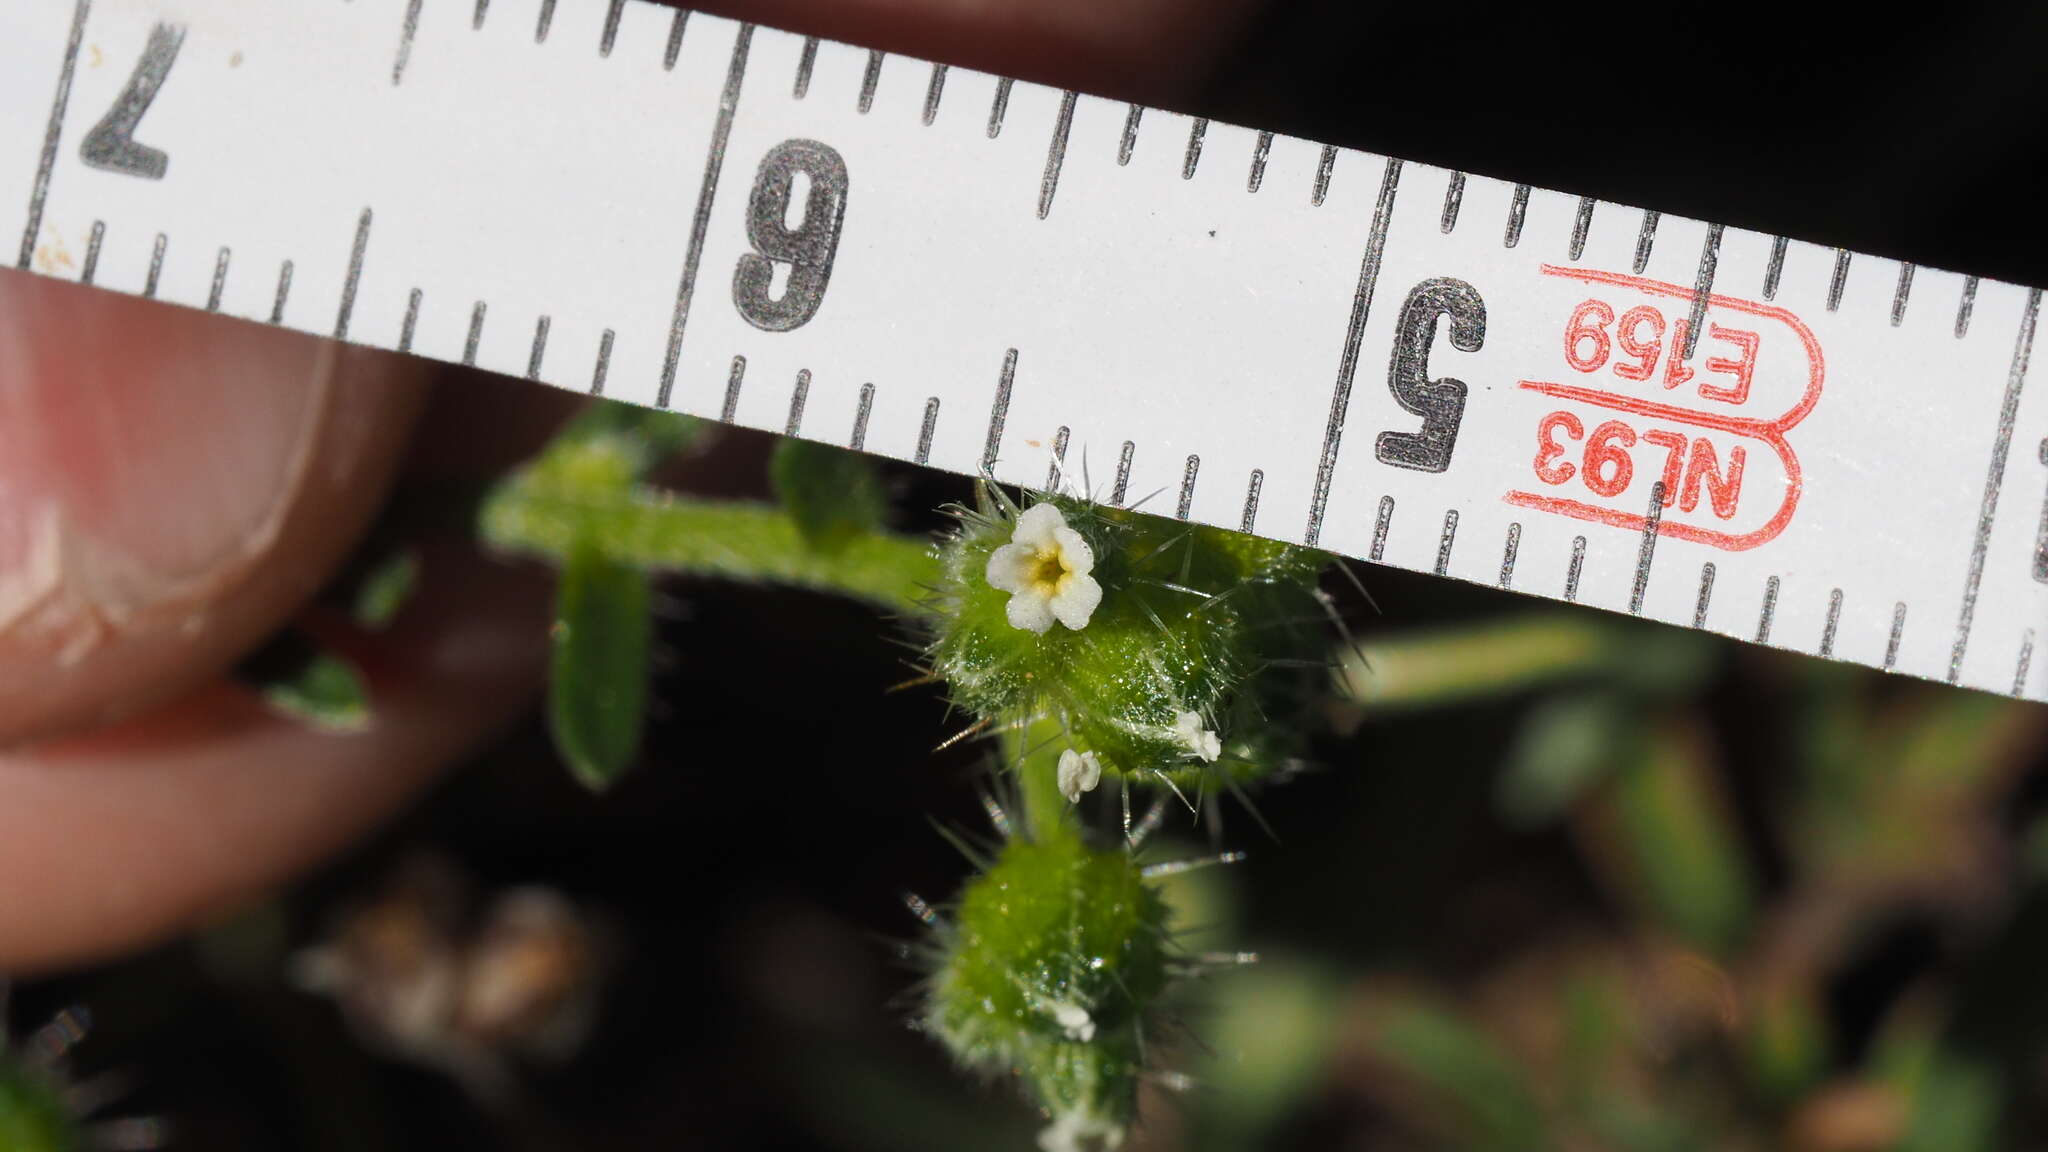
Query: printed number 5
{"points": [[1440, 403], [111, 145], [807, 249]]}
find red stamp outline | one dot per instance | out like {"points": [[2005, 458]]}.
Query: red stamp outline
{"points": [[1771, 432]]}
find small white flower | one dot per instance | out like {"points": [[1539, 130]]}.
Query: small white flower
{"points": [[1200, 740], [1079, 772], [1074, 1020], [1045, 567]]}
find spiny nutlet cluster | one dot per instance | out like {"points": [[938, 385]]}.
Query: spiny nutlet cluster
{"points": [[1096, 642], [1166, 652], [1048, 965]]}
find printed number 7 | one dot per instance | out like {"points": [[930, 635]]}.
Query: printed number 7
{"points": [[111, 145], [1441, 402]]}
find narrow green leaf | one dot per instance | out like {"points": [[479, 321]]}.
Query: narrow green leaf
{"points": [[385, 589], [1678, 839], [1462, 1066], [326, 692], [834, 496], [597, 689], [1564, 746]]}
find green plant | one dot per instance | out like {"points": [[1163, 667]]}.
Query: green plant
{"points": [[1092, 645]]}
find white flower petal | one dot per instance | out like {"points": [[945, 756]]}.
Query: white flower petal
{"points": [[1010, 567], [1038, 525], [1074, 1021], [1076, 604], [1031, 610], [1075, 554], [1079, 772], [1199, 739]]}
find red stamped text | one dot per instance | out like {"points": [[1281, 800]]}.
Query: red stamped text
{"points": [[1631, 411]]}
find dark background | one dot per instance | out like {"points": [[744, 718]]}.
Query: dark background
{"points": [[750, 872]]}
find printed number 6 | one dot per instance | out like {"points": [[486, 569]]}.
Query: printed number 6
{"points": [[807, 249], [1440, 403]]}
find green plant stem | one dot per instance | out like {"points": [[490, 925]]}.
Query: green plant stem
{"points": [[1036, 753], [660, 531]]}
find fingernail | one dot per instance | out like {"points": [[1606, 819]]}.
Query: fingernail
{"points": [[141, 451]]}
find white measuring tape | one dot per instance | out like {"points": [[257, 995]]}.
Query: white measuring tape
{"points": [[1805, 447]]}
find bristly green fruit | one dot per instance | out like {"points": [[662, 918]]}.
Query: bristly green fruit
{"points": [[1049, 966], [33, 1117], [1195, 665]]}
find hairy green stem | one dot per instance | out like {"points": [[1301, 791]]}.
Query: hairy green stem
{"points": [[660, 531]]}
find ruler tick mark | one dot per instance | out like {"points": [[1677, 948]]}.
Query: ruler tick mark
{"points": [[1130, 138], [733, 379], [1646, 551], [859, 439], [1187, 487], [675, 39], [359, 249], [1899, 294], [412, 320], [1706, 596], [52, 134], [476, 334], [1000, 105], [934, 89], [804, 63], [1840, 279], [2016, 378], [2041, 533], [1518, 209], [798, 396], [999, 411], [1259, 150], [1121, 491], [1443, 542], [1380, 524], [1053, 477], [1454, 196], [476, 20], [700, 226], [1581, 225], [1194, 152], [925, 432], [1572, 570], [1055, 154], [220, 281], [1770, 610], [1827, 632], [1645, 237], [1963, 307], [1324, 167], [604, 363], [2019, 672], [1507, 555], [540, 348], [1891, 648], [1775, 268], [547, 20], [405, 35], [610, 35], [1347, 367], [156, 266], [1251, 500], [284, 290], [92, 252], [869, 80], [1702, 290]]}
